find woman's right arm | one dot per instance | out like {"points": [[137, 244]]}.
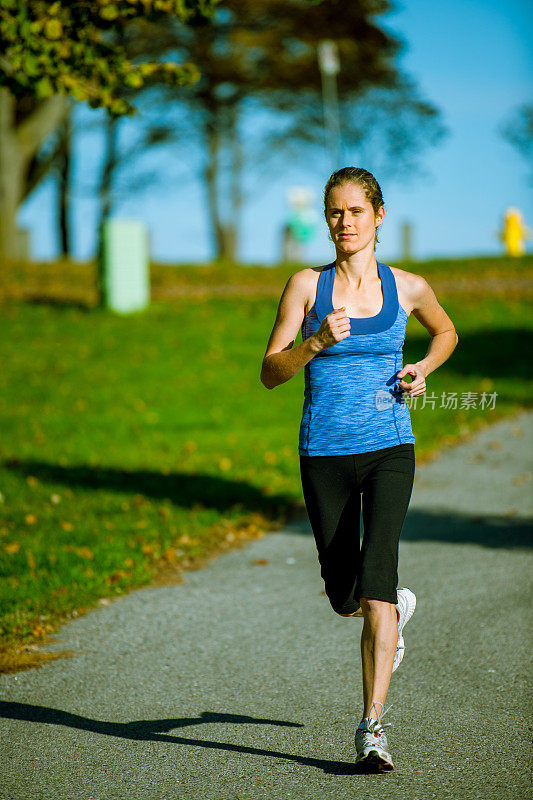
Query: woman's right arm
{"points": [[282, 360]]}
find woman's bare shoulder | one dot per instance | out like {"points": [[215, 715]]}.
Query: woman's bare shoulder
{"points": [[409, 285], [406, 278], [305, 283]]}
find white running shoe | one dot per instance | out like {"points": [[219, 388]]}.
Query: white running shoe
{"points": [[406, 607], [371, 744]]}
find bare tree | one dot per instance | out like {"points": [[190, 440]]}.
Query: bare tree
{"points": [[261, 55], [518, 131]]}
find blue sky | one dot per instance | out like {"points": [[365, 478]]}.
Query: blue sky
{"points": [[472, 59]]}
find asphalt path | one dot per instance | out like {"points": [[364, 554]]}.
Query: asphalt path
{"points": [[242, 683]]}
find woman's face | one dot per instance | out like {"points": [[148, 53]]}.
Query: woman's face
{"points": [[351, 219]]}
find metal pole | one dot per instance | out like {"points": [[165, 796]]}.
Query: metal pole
{"points": [[328, 60], [407, 230]]}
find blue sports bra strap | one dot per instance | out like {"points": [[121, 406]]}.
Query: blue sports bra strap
{"points": [[324, 290], [389, 286]]}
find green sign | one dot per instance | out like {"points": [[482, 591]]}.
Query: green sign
{"points": [[126, 267]]}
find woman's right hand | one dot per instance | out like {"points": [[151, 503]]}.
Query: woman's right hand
{"points": [[334, 328]]}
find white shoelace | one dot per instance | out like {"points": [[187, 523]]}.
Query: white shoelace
{"points": [[376, 723]]}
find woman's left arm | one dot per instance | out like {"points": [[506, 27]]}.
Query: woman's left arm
{"points": [[428, 311]]}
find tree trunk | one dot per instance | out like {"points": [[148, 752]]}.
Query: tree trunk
{"points": [[64, 187], [105, 196], [11, 178], [18, 145], [237, 160], [211, 177]]}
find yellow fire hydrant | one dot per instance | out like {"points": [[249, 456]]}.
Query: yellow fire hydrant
{"points": [[514, 232]]}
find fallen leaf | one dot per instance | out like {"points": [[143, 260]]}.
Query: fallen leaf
{"points": [[84, 552], [169, 554]]}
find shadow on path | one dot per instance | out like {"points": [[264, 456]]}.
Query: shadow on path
{"points": [[439, 526], [151, 730]]}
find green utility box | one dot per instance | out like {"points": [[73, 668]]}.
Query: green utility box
{"points": [[126, 265]]}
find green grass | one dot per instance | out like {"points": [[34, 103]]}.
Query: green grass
{"points": [[131, 443]]}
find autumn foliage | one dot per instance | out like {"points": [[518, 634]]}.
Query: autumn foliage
{"points": [[77, 48]]}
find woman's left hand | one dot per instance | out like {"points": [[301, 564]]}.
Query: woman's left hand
{"points": [[418, 385]]}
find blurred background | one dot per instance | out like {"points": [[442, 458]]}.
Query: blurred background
{"points": [[435, 102], [161, 177]]}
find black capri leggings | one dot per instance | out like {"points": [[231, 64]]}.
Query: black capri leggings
{"points": [[332, 488]]}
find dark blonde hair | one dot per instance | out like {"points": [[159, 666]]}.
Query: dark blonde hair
{"points": [[361, 177]]}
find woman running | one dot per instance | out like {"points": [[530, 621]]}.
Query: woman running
{"points": [[355, 433]]}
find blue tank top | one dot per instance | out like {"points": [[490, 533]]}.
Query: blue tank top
{"points": [[352, 399]]}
